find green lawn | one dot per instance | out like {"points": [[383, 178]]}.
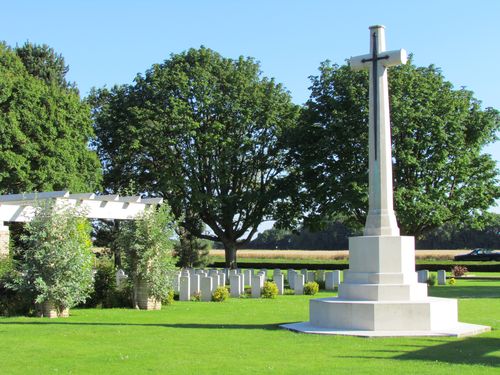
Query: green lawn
{"points": [[241, 336]]}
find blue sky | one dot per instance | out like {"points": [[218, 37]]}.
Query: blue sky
{"points": [[109, 42]]}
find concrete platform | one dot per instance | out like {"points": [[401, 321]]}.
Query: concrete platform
{"points": [[460, 330]]}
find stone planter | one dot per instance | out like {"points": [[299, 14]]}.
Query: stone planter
{"points": [[48, 310], [142, 300]]}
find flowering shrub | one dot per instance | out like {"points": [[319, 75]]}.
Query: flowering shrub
{"points": [[270, 290], [458, 271], [220, 294]]}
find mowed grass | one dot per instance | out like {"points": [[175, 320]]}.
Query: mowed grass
{"points": [[241, 336]]}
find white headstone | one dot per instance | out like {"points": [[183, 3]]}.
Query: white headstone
{"points": [[291, 278], [423, 276], [299, 283], [311, 276], [185, 291], [329, 284], [256, 286], [120, 278], [336, 278], [222, 278], [235, 285], [320, 275], [215, 282], [195, 284], [280, 282], [177, 282], [441, 276], [206, 289], [248, 276]]}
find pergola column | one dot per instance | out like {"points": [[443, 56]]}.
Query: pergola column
{"points": [[4, 240]]}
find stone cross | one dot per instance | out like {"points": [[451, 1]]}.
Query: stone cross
{"points": [[381, 220]]}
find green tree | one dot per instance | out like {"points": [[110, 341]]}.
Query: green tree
{"points": [[204, 132], [148, 246], [44, 133], [440, 174], [57, 256], [43, 62], [190, 250]]}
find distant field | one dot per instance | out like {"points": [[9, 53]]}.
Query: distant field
{"points": [[327, 254]]}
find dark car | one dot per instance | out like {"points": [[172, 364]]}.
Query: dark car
{"points": [[480, 254]]}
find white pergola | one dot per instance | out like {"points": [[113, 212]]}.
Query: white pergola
{"points": [[21, 207]]}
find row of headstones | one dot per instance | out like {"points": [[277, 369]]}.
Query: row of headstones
{"points": [[193, 282], [423, 276]]}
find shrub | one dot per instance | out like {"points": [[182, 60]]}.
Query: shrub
{"points": [[196, 297], [288, 292], [270, 290], [147, 244], [104, 284], [57, 258], [220, 294], [190, 250], [169, 299], [13, 299], [458, 271], [452, 281], [311, 288], [432, 280]]}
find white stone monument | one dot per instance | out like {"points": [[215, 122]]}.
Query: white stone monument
{"points": [[380, 295]]}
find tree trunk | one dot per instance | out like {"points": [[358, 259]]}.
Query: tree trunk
{"points": [[230, 252]]}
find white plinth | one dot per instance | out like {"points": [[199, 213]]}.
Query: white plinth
{"points": [[380, 296]]}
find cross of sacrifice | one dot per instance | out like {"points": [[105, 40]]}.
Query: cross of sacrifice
{"points": [[381, 218]]}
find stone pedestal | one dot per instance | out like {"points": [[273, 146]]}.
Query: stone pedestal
{"points": [[4, 241], [381, 296], [48, 310], [142, 300]]}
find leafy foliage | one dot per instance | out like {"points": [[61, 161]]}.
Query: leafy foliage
{"points": [[147, 243], [57, 256], [311, 288], [13, 300], [217, 152], [43, 62], [269, 290], [432, 280], [220, 294], [44, 129], [191, 251], [438, 132]]}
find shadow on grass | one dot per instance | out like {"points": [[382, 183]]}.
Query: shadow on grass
{"points": [[473, 291], [267, 327], [469, 351]]}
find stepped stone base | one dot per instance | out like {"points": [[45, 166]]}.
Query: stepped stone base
{"points": [[380, 296], [460, 330]]}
